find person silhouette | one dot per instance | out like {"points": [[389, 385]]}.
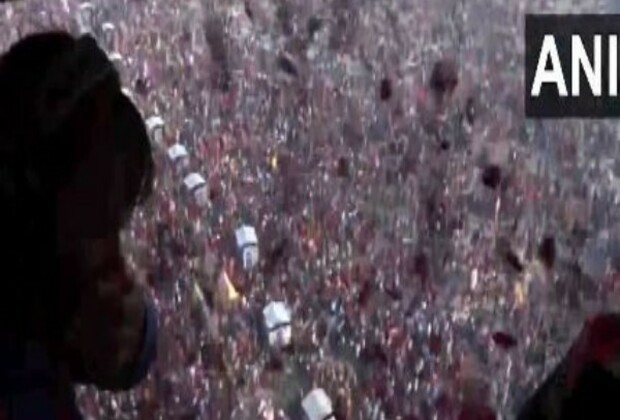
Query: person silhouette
{"points": [[586, 382], [75, 161]]}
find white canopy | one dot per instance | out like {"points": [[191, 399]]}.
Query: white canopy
{"points": [[247, 243], [193, 181], [246, 236], [108, 26], [85, 16], [278, 322], [155, 125], [201, 194], [88, 6], [154, 122], [177, 151], [116, 57], [317, 405], [276, 314]]}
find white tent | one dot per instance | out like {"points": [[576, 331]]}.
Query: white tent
{"points": [[177, 151], [87, 7], [109, 32], [202, 196], [246, 235], [278, 323], [194, 181], [155, 125], [154, 122], [317, 405], [108, 26], [86, 16], [116, 58], [247, 244], [197, 185]]}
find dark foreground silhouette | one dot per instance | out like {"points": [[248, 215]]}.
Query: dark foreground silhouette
{"points": [[75, 160], [586, 384]]}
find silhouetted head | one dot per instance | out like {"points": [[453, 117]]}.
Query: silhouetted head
{"points": [[444, 77], [75, 160]]}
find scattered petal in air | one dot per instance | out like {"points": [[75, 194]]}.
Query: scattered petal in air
{"points": [[364, 294], [421, 267], [141, 86], [547, 251], [314, 25], [394, 293], [504, 340], [385, 89], [508, 255], [343, 168], [470, 110], [513, 260], [248, 10], [491, 176], [444, 77], [435, 344], [286, 64]]}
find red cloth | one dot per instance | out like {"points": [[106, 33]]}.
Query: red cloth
{"points": [[476, 412], [599, 342]]}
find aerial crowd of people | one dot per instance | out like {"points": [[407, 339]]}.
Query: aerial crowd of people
{"points": [[436, 251]]}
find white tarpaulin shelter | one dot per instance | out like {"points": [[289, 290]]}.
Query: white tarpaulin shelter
{"points": [[86, 16], [318, 406], [108, 27], [87, 7], [247, 244], [193, 181], [177, 151], [108, 33], [155, 125], [116, 58], [197, 185], [278, 323]]}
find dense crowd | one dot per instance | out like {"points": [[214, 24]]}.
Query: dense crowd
{"points": [[437, 251]]}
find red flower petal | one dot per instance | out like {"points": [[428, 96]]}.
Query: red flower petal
{"points": [[504, 340]]}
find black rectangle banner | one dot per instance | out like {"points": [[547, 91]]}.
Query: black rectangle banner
{"points": [[564, 54]]}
